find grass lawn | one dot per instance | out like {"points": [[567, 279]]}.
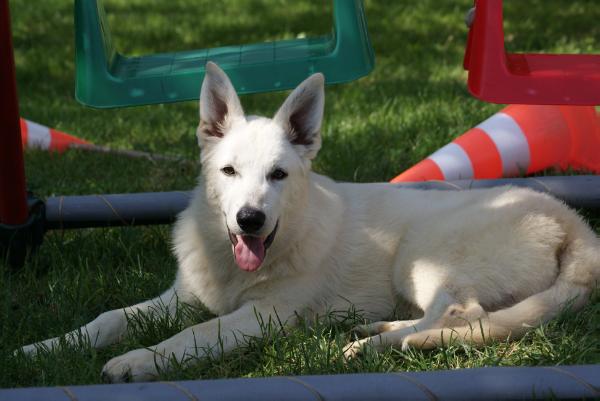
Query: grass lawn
{"points": [[412, 103]]}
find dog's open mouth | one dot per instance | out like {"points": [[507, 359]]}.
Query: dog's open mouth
{"points": [[250, 251]]}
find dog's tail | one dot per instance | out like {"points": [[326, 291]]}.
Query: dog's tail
{"points": [[579, 274]]}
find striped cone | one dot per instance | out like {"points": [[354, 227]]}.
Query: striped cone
{"points": [[34, 135], [520, 139]]}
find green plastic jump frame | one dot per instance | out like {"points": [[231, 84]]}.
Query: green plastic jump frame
{"points": [[106, 78]]}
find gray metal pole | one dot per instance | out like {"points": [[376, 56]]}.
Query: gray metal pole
{"points": [[496, 383], [162, 207]]}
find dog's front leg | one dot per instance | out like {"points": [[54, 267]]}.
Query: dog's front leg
{"points": [[213, 337], [109, 327]]}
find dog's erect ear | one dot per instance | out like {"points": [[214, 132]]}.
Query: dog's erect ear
{"points": [[219, 103], [301, 115]]}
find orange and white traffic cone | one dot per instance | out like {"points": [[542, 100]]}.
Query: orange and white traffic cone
{"points": [[34, 135], [520, 139], [38, 136]]}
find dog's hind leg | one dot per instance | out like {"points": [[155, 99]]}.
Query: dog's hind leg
{"points": [[512, 322], [455, 315], [442, 311], [579, 261], [109, 327]]}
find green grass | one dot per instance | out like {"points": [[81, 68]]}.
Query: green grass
{"points": [[412, 103]]}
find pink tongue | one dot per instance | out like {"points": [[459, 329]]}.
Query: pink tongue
{"points": [[249, 252]]}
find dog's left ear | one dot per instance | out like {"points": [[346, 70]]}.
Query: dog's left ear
{"points": [[302, 113]]}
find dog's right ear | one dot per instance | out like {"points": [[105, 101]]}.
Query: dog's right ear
{"points": [[219, 104]]}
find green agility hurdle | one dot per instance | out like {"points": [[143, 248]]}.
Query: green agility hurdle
{"points": [[106, 78]]}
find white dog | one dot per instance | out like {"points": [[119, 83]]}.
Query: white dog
{"points": [[265, 235]]}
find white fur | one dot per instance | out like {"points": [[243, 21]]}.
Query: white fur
{"points": [[479, 265]]}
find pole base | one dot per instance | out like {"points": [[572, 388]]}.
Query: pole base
{"points": [[17, 241]]}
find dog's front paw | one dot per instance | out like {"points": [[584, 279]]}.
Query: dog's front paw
{"points": [[355, 348], [33, 349], [29, 350], [137, 365]]}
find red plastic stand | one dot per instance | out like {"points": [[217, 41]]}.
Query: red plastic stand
{"points": [[499, 77], [13, 198]]}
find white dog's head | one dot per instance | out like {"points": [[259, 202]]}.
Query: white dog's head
{"points": [[254, 167]]}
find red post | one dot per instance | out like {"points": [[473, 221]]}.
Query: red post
{"points": [[13, 197]]}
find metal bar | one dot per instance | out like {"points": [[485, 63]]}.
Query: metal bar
{"points": [[579, 191], [13, 197], [495, 383], [66, 212]]}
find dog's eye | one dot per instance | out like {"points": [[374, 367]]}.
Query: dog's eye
{"points": [[228, 170], [278, 174]]}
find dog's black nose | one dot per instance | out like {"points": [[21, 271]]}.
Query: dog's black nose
{"points": [[250, 220]]}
